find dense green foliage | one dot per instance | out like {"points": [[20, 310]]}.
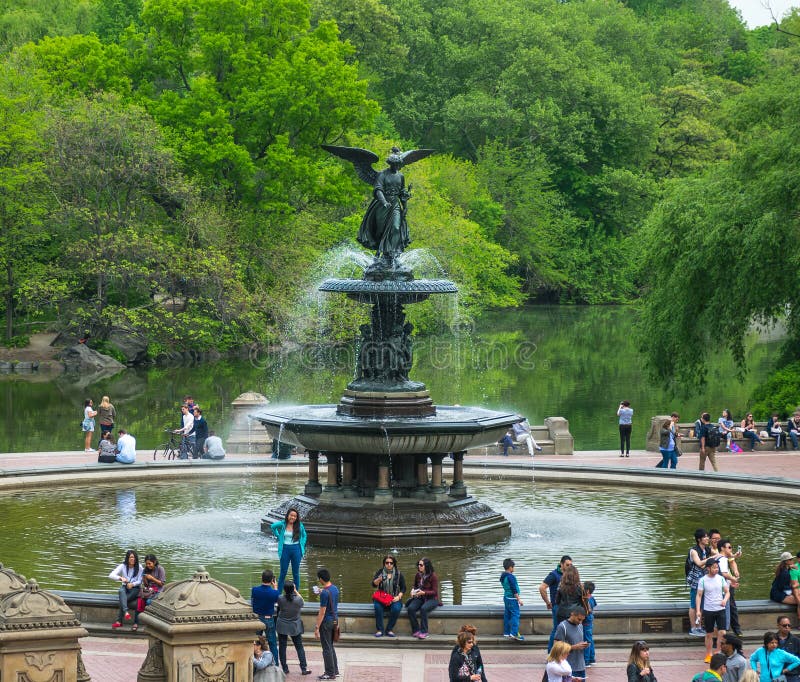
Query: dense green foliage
{"points": [[720, 248], [160, 169]]}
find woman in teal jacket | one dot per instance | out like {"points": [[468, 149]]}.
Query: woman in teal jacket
{"points": [[772, 661], [291, 535]]}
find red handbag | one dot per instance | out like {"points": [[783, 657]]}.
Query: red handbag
{"points": [[382, 597]]}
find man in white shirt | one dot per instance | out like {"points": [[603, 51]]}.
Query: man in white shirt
{"points": [[213, 447], [126, 447], [713, 593], [522, 434], [188, 442]]}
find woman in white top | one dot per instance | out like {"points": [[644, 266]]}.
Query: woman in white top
{"points": [[129, 573], [87, 425], [558, 668]]}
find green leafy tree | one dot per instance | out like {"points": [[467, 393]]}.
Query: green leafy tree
{"points": [[719, 248], [23, 201]]}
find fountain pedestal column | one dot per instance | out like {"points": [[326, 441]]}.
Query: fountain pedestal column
{"points": [[437, 486], [313, 486], [457, 488], [331, 488], [383, 493]]}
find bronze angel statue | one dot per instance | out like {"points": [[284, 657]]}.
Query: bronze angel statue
{"points": [[384, 228]]}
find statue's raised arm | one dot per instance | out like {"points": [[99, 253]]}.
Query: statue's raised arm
{"points": [[384, 228]]}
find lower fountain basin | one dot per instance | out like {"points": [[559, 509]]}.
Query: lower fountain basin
{"points": [[320, 428]]}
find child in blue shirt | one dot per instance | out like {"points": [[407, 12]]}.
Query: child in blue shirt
{"points": [[588, 623], [511, 601]]}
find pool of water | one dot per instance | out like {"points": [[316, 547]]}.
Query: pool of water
{"points": [[568, 361], [631, 543]]}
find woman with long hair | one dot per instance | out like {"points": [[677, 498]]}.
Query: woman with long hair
{"points": [[558, 668], [750, 431], [387, 582], [289, 624], [462, 666], [129, 573], [771, 661], [569, 593], [784, 590], [87, 425], [291, 536], [726, 427], [639, 668], [424, 598], [106, 414], [153, 578], [668, 445]]}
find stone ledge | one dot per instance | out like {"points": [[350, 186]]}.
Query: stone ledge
{"points": [[615, 623]]}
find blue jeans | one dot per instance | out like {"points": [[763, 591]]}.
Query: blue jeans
{"points": [[553, 631], [511, 616], [669, 459], [394, 611], [754, 438], [422, 607], [126, 596], [290, 553], [272, 637], [793, 437], [588, 636]]}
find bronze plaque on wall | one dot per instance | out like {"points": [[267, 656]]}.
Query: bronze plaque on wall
{"points": [[656, 625]]}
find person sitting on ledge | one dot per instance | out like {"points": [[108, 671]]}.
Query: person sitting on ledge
{"points": [[390, 586], [212, 448], [424, 598], [522, 434], [129, 573], [126, 447], [107, 450]]}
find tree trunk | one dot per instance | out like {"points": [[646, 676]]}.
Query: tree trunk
{"points": [[10, 301]]}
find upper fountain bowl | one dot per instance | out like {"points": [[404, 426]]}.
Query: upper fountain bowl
{"points": [[406, 291], [451, 429]]}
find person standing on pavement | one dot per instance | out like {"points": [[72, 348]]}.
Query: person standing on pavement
{"points": [[708, 448], [87, 425], [571, 632], [789, 643], [729, 569], [712, 595], [263, 598], [736, 663], [548, 590], [695, 569], [512, 600], [625, 414], [327, 621], [199, 431], [106, 415], [639, 668], [770, 661]]}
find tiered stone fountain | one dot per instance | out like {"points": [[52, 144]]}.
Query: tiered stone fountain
{"points": [[385, 441]]}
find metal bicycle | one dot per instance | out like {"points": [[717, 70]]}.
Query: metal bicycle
{"points": [[169, 450]]}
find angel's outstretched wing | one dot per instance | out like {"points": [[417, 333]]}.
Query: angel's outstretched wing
{"points": [[415, 155], [362, 160]]}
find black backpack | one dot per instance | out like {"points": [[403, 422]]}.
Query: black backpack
{"points": [[713, 438]]}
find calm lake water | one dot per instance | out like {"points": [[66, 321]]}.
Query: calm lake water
{"points": [[72, 540], [575, 362]]}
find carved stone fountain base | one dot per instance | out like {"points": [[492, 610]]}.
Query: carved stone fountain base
{"points": [[333, 521], [378, 404]]}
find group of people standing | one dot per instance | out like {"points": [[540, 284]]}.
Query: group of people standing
{"points": [[123, 450], [196, 440]]}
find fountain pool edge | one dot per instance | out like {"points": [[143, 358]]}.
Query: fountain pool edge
{"points": [[570, 474]]}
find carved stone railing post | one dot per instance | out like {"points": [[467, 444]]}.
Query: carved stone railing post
{"points": [[38, 635], [201, 630]]}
